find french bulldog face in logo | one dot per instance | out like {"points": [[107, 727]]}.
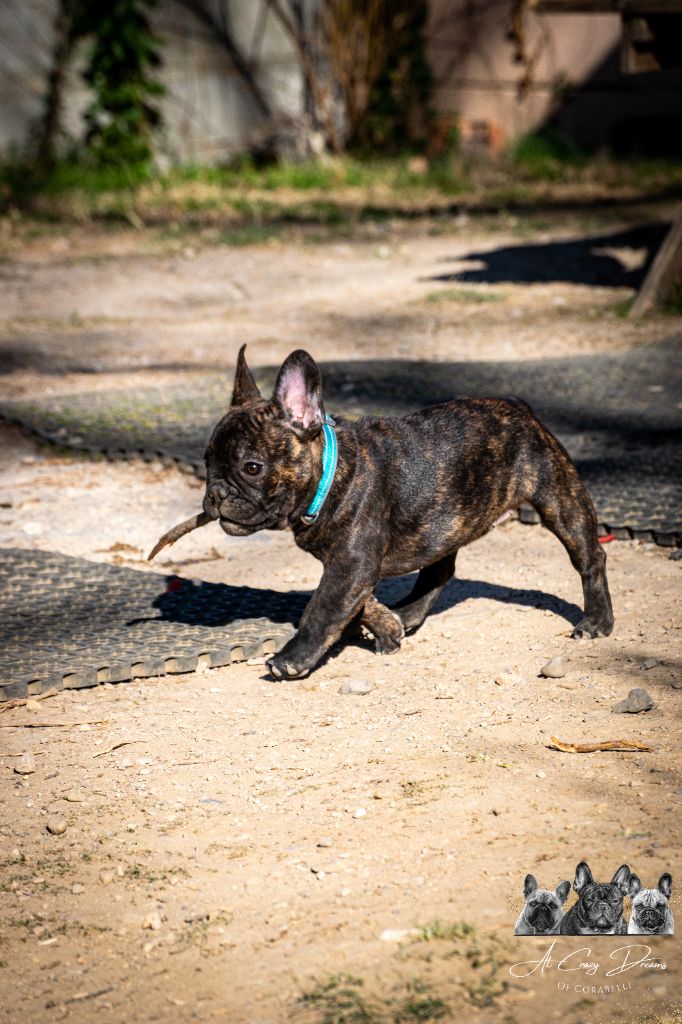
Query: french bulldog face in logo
{"points": [[599, 910], [651, 913], [543, 911]]}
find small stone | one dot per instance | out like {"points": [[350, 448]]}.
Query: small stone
{"points": [[324, 842], [508, 679], [636, 701], [650, 663], [359, 813], [75, 796], [441, 692], [26, 764], [400, 934], [356, 686], [555, 668], [152, 921], [33, 705], [540, 775], [55, 825], [77, 888], [106, 877]]}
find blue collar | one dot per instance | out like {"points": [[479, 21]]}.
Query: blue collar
{"points": [[330, 454]]}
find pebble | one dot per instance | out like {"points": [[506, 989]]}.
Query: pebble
{"points": [[152, 922], [77, 888], [508, 679], [26, 764], [55, 825], [441, 692], [400, 934], [75, 796], [636, 701], [324, 842], [359, 813], [106, 877], [356, 686], [649, 663], [555, 668], [541, 775]]}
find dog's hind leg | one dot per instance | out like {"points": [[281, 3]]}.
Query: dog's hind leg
{"points": [[414, 608], [566, 509]]}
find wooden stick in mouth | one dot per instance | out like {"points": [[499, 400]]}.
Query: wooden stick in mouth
{"points": [[193, 523]]}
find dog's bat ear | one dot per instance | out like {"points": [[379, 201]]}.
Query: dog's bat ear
{"points": [[583, 876], [622, 879], [245, 388], [665, 885], [562, 890], [634, 886], [298, 389], [529, 885]]}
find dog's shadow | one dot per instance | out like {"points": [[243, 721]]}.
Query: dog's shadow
{"points": [[217, 605]]}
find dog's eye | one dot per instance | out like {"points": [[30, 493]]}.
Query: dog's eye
{"points": [[252, 468]]}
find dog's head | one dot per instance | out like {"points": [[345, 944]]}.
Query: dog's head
{"points": [[543, 909], [601, 903], [261, 456], [650, 909]]}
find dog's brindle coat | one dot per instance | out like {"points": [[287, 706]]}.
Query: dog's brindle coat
{"points": [[408, 494]]}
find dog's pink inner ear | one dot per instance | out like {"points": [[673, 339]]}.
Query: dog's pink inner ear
{"points": [[301, 406]]}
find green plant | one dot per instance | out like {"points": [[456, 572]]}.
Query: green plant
{"points": [[545, 154], [123, 114], [338, 1001]]}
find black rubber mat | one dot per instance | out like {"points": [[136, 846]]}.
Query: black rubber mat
{"points": [[619, 415], [69, 623]]}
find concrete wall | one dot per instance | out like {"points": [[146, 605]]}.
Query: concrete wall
{"points": [[208, 113], [477, 79], [210, 116]]}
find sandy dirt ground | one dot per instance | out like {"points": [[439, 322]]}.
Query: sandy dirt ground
{"points": [[257, 852]]}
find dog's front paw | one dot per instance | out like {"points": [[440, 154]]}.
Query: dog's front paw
{"points": [[586, 629], [385, 644], [282, 667]]}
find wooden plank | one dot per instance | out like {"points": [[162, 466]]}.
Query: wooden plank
{"points": [[664, 274], [632, 7]]}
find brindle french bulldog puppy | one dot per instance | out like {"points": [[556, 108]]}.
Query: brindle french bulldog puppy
{"points": [[407, 494], [599, 910]]}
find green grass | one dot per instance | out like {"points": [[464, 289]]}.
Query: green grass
{"points": [[246, 204], [463, 295]]}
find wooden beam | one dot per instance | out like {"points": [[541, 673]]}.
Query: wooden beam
{"points": [[633, 7], [665, 273]]}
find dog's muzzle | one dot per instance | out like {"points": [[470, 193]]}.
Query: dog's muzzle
{"points": [[650, 919], [541, 917]]}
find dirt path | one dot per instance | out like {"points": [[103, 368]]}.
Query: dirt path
{"points": [[219, 864]]}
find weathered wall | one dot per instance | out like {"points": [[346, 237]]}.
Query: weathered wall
{"points": [[209, 115], [478, 80]]}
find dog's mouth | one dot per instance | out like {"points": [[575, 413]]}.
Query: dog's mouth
{"points": [[234, 529], [602, 922], [652, 920]]}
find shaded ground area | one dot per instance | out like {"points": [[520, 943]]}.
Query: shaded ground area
{"points": [[619, 416]]}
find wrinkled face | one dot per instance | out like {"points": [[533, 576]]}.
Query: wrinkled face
{"points": [[649, 909], [543, 910], [603, 904], [257, 470]]}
